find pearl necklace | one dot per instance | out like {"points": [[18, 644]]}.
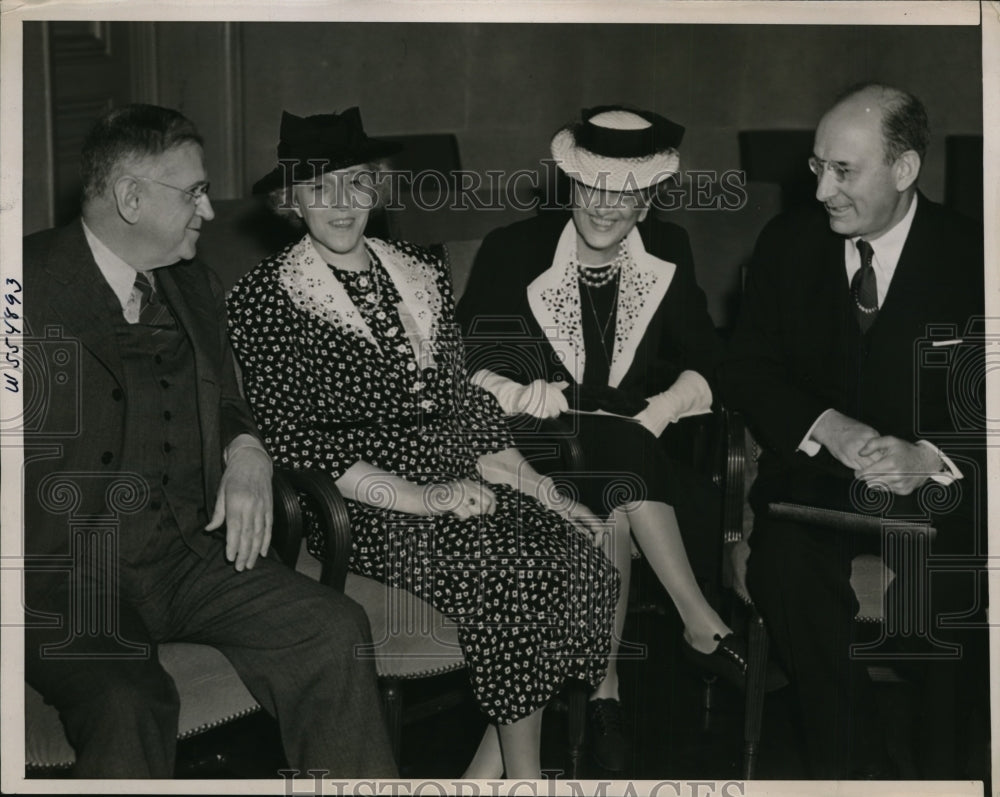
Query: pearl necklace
{"points": [[591, 280]]}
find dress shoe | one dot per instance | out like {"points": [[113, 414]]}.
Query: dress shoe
{"points": [[729, 660], [604, 726]]}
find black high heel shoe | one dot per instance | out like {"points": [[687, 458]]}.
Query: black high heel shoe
{"points": [[729, 660]]}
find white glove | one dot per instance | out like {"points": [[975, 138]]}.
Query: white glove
{"points": [[688, 395], [541, 399]]}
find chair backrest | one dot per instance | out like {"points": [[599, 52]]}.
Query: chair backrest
{"points": [[780, 157], [963, 179], [722, 240], [435, 153]]}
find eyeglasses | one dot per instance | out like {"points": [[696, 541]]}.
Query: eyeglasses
{"points": [[840, 173], [200, 189]]}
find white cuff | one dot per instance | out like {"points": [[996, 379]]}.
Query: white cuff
{"points": [[808, 446], [689, 395], [243, 441], [950, 472], [505, 391]]}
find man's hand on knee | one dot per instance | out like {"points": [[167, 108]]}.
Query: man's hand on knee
{"points": [[245, 504]]}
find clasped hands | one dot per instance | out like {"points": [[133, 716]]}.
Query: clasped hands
{"points": [[881, 461]]}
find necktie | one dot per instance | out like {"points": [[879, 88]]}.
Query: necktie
{"points": [[152, 312], [864, 288]]}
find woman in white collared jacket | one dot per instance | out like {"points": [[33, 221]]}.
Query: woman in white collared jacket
{"points": [[597, 310], [352, 364]]}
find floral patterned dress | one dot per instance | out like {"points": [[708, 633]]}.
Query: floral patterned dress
{"points": [[345, 366]]}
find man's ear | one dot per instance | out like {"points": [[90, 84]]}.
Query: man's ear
{"points": [[127, 199], [906, 169]]}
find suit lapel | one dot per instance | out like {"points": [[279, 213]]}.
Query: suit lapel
{"points": [[554, 300], [913, 280], [642, 288], [191, 302], [82, 298]]}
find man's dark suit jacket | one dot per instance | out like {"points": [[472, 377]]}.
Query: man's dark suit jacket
{"points": [[797, 350], [680, 334], [81, 425]]}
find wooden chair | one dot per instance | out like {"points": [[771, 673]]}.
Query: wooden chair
{"points": [[870, 577], [410, 639], [211, 693]]}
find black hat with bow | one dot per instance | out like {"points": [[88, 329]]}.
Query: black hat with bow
{"points": [[313, 145]]}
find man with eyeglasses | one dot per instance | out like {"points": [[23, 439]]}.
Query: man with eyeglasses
{"points": [[160, 447], [829, 362]]}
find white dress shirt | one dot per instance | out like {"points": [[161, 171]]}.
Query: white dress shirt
{"points": [[887, 248]]}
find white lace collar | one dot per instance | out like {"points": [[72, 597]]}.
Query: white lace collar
{"points": [[554, 299], [315, 289]]}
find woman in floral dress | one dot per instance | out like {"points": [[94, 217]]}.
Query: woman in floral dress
{"points": [[352, 364]]}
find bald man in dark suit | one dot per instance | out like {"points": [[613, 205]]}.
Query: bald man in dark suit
{"points": [[830, 365]]}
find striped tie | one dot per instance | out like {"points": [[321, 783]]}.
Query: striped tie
{"points": [[152, 312]]}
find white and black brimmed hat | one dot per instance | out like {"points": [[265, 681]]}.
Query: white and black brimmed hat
{"points": [[618, 149]]}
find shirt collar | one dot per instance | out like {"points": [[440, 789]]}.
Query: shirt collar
{"points": [[118, 274], [889, 246]]}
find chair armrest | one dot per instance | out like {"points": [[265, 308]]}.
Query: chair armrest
{"points": [[333, 516], [733, 475], [840, 520], [288, 523], [547, 437]]}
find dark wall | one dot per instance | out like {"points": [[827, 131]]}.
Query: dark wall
{"points": [[505, 88]]}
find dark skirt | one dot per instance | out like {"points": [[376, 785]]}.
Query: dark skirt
{"points": [[624, 462]]}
